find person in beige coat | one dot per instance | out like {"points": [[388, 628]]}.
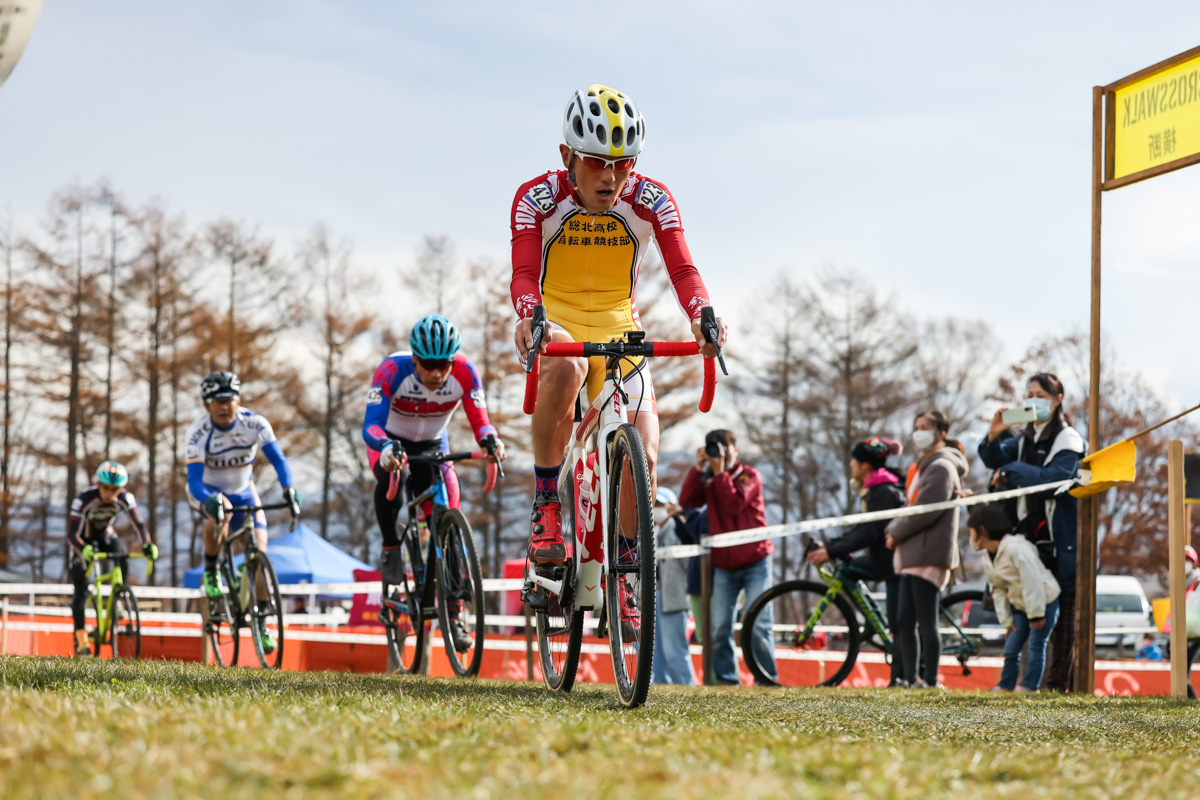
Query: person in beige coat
{"points": [[1024, 590], [926, 546]]}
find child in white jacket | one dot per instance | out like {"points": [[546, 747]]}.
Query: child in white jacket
{"points": [[1025, 593]]}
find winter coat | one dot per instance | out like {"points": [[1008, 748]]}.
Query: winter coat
{"points": [[881, 496], [735, 502], [1007, 454], [1019, 579], [931, 539]]}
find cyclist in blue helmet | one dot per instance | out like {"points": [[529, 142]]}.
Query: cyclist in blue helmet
{"points": [[410, 402], [90, 530]]}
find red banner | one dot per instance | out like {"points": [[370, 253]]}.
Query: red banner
{"points": [[365, 608]]}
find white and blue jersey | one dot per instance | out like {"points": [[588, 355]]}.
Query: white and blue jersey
{"points": [[221, 460]]}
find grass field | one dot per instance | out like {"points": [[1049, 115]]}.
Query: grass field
{"points": [[156, 729]]}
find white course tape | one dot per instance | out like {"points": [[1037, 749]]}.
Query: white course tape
{"points": [[795, 528]]}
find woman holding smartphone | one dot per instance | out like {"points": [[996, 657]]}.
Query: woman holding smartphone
{"points": [[1046, 450]]}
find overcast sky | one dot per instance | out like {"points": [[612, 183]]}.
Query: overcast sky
{"points": [[940, 149]]}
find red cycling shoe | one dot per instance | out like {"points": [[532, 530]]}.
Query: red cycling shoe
{"points": [[545, 540]]}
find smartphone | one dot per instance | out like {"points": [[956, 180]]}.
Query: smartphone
{"points": [[1019, 415]]}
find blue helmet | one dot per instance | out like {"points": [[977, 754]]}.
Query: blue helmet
{"points": [[434, 337], [112, 473]]}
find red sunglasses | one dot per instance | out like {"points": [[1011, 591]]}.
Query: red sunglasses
{"points": [[434, 363], [596, 163]]}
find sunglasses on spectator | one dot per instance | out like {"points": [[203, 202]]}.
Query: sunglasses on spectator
{"points": [[596, 163], [434, 363]]}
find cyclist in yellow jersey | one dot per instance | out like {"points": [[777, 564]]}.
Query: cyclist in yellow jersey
{"points": [[579, 238]]}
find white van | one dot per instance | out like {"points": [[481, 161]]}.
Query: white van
{"points": [[1121, 603]]}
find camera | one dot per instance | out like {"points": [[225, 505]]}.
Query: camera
{"points": [[714, 450]]}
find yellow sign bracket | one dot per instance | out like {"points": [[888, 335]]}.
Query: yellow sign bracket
{"points": [[1117, 463]]}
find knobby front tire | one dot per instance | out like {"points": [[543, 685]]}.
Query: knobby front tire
{"points": [[266, 616], [222, 630], [560, 626], [825, 658], [401, 616], [125, 631], [630, 611], [460, 579]]}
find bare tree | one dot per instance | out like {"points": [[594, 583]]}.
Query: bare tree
{"points": [[433, 275], [253, 274]]}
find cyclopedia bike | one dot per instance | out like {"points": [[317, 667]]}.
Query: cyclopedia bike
{"points": [[241, 607], [604, 492], [118, 623], [449, 574], [815, 627]]}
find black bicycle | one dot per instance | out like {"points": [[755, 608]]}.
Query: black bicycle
{"points": [[240, 606], [447, 580], [817, 635]]}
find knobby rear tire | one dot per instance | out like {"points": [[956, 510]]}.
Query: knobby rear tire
{"points": [[265, 615], [809, 594], [459, 573], [630, 511]]}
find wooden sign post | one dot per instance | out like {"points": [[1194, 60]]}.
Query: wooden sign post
{"points": [[1177, 538], [1143, 125]]}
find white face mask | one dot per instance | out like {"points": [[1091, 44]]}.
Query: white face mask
{"points": [[923, 440], [1042, 406], [660, 515]]}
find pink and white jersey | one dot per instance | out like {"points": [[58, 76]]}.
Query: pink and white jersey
{"points": [[399, 406]]}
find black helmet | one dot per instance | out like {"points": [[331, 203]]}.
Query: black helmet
{"points": [[220, 384]]}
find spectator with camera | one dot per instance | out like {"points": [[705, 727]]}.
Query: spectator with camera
{"points": [[733, 493], [1046, 450]]}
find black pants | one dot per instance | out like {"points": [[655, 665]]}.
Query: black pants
{"points": [[1060, 674], [418, 477], [918, 608], [110, 544]]}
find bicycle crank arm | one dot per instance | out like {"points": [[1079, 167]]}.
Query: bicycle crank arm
{"points": [[549, 584]]}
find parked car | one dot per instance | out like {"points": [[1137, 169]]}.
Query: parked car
{"points": [[1121, 603]]}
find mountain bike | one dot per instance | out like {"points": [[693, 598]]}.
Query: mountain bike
{"points": [[604, 493], [118, 623], [815, 623], [241, 607], [448, 574]]}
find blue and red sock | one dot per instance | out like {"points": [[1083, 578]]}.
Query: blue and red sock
{"points": [[545, 479]]}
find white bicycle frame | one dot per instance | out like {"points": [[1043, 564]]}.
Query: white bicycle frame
{"points": [[606, 413]]}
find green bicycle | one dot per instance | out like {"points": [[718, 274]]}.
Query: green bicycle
{"points": [[118, 624], [817, 635]]}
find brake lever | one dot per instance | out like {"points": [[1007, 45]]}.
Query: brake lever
{"points": [[708, 327], [537, 326]]}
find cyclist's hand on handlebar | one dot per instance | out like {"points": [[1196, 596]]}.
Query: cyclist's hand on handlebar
{"points": [[150, 551], [523, 338], [392, 457], [89, 555], [292, 496], [818, 555], [213, 505], [706, 349], [495, 446]]}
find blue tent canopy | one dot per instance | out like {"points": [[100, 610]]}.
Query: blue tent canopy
{"points": [[301, 556]]}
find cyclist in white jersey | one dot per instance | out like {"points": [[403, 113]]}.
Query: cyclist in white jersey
{"points": [[221, 447]]}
